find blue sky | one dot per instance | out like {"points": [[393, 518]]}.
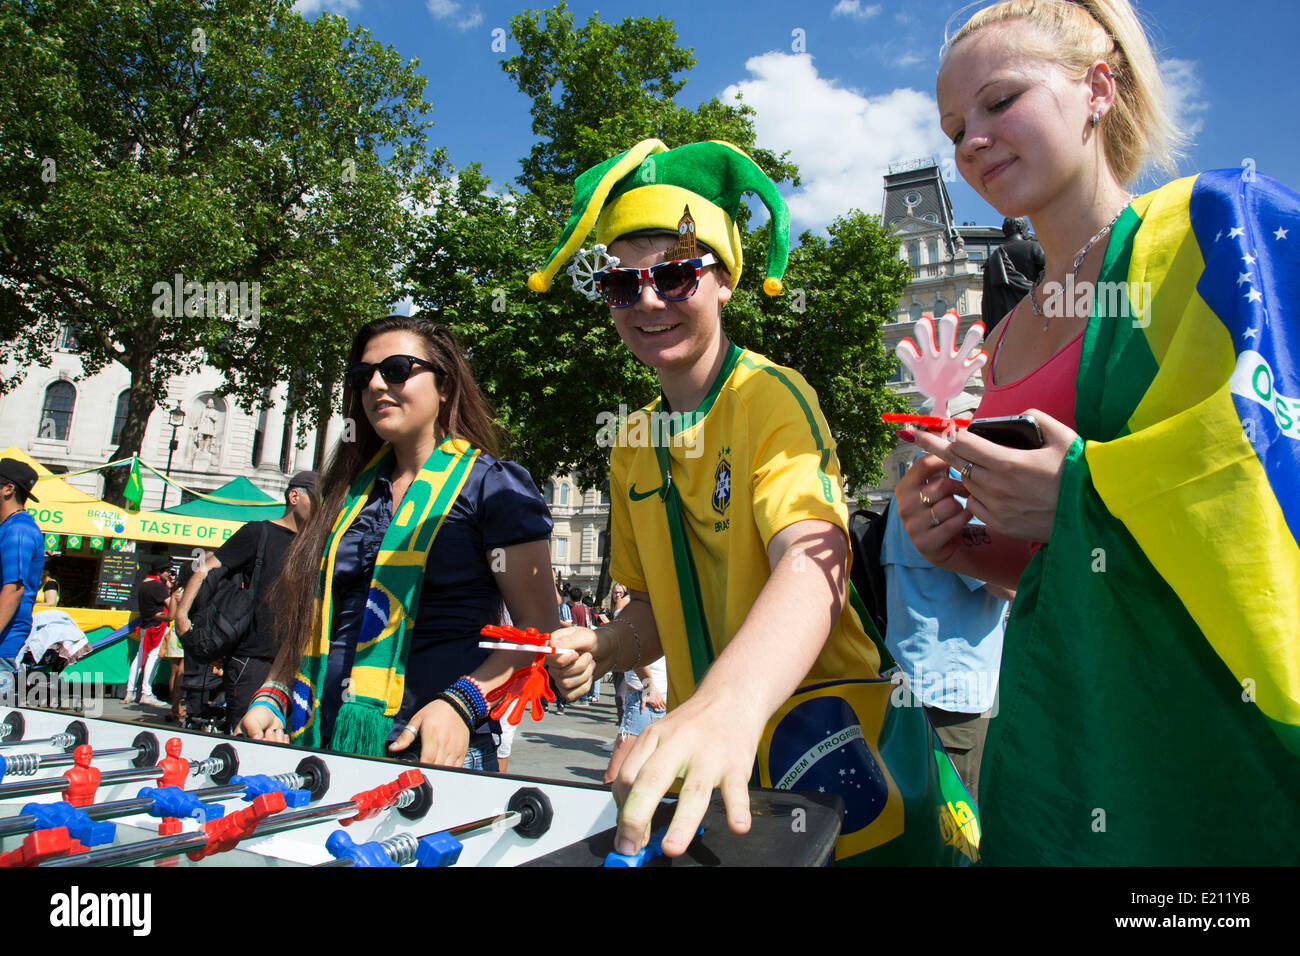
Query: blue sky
{"points": [[861, 93]]}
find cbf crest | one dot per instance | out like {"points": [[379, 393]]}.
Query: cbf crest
{"points": [[722, 483]]}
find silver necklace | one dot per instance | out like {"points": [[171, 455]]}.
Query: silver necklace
{"points": [[1078, 261]]}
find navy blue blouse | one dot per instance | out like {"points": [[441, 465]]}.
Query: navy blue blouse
{"points": [[498, 506]]}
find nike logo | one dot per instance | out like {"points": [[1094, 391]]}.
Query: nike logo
{"points": [[642, 495]]}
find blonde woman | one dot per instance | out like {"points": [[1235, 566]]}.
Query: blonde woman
{"points": [[1150, 699]]}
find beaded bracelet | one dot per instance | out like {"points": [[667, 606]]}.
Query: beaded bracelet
{"points": [[465, 702], [458, 706], [473, 694], [269, 705]]}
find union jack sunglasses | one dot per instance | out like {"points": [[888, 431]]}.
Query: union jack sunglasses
{"points": [[673, 281]]}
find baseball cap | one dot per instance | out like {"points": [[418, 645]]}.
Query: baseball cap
{"points": [[21, 475], [304, 479]]}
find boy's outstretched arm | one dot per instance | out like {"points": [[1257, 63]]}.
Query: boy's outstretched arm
{"points": [[711, 739]]}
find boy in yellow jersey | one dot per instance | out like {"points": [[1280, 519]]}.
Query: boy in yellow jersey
{"points": [[728, 521]]}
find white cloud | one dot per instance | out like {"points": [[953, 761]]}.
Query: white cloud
{"points": [[455, 12], [309, 7], [855, 9], [1183, 87], [842, 140]]}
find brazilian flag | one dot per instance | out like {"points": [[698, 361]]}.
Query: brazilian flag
{"points": [[1150, 685], [133, 493]]}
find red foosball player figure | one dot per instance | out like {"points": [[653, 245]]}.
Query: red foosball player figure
{"points": [[83, 779], [175, 767]]}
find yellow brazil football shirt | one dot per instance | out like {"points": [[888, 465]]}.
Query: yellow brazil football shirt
{"points": [[754, 458]]}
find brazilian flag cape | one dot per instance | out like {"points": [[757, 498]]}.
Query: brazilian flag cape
{"points": [[1150, 686]]}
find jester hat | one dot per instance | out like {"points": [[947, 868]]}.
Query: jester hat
{"points": [[649, 187]]}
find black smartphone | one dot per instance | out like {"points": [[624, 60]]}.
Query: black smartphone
{"points": [[1013, 431]]}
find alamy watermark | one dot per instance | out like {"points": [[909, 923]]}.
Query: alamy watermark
{"points": [[213, 300], [39, 689], [1114, 300], [642, 429]]}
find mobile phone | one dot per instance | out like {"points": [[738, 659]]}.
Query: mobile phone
{"points": [[1012, 431]]}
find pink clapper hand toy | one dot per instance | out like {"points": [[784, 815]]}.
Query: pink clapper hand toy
{"points": [[527, 686], [940, 369]]}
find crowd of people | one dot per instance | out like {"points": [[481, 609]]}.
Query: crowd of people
{"points": [[1124, 543]]}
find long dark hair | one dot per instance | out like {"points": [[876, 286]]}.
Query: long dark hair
{"points": [[466, 414]]}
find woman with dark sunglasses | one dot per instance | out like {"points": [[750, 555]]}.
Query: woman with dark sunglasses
{"points": [[422, 535]]}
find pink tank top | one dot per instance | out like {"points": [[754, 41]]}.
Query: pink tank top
{"points": [[1049, 387]]}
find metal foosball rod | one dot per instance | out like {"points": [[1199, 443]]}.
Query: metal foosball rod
{"points": [[529, 813], [264, 817], [75, 735], [308, 783], [84, 779]]}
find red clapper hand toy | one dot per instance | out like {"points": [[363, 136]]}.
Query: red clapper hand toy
{"points": [[527, 686], [940, 369]]}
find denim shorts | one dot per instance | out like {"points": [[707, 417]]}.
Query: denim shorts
{"points": [[482, 754], [635, 720]]}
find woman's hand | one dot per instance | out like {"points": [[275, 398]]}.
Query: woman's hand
{"points": [[443, 736], [575, 673], [708, 743], [260, 723], [925, 503], [1013, 491], [652, 698]]}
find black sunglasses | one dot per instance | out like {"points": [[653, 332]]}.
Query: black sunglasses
{"points": [[673, 281], [395, 370]]}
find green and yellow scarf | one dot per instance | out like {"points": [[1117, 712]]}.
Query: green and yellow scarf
{"points": [[377, 678]]}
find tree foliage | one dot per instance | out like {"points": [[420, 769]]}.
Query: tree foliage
{"points": [[225, 142], [553, 363]]}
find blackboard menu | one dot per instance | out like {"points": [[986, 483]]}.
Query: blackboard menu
{"points": [[117, 573]]}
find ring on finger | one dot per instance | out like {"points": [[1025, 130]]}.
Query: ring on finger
{"points": [[965, 472], [408, 729], [934, 522], [924, 500]]}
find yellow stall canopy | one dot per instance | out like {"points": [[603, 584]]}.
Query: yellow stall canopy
{"points": [[63, 509]]}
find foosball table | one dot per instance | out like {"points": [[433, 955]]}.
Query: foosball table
{"points": [[78, 791]]}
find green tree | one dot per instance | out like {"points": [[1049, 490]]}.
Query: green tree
{"points": [[553, 363], [224, 142]]}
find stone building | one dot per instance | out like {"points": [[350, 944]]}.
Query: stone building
{"points": [[68, 423]]}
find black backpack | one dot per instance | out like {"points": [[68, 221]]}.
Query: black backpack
{"points": [[227, 611], [867, 535]]}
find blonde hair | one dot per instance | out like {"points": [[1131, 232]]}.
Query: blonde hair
{"points": [[1077, 33]]}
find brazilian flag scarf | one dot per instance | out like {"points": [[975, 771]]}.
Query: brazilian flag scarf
{"points": [[377, 680], [1150, 685]]}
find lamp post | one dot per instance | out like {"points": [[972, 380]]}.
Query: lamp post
{"points": [[175, 418]]}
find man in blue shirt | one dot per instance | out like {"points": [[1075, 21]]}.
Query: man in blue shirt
{"points": [[22, 557], [945, 632]]}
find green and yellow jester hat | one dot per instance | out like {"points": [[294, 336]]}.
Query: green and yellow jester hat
{"points": [[649, 187]]}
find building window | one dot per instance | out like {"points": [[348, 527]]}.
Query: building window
{"points": [[916, 310], [902, 470], [56, 413], [932, 249], [913, 254], [67, 338], [561, 549], [897, 377], [119, 417], [940, 305], [602, 545], [912, 199], [548, 492], [564, 493]]}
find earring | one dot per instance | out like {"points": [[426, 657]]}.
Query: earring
{"points": [[1096, 118]]}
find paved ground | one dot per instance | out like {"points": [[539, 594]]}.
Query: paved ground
{"points": [[562, 747]]}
